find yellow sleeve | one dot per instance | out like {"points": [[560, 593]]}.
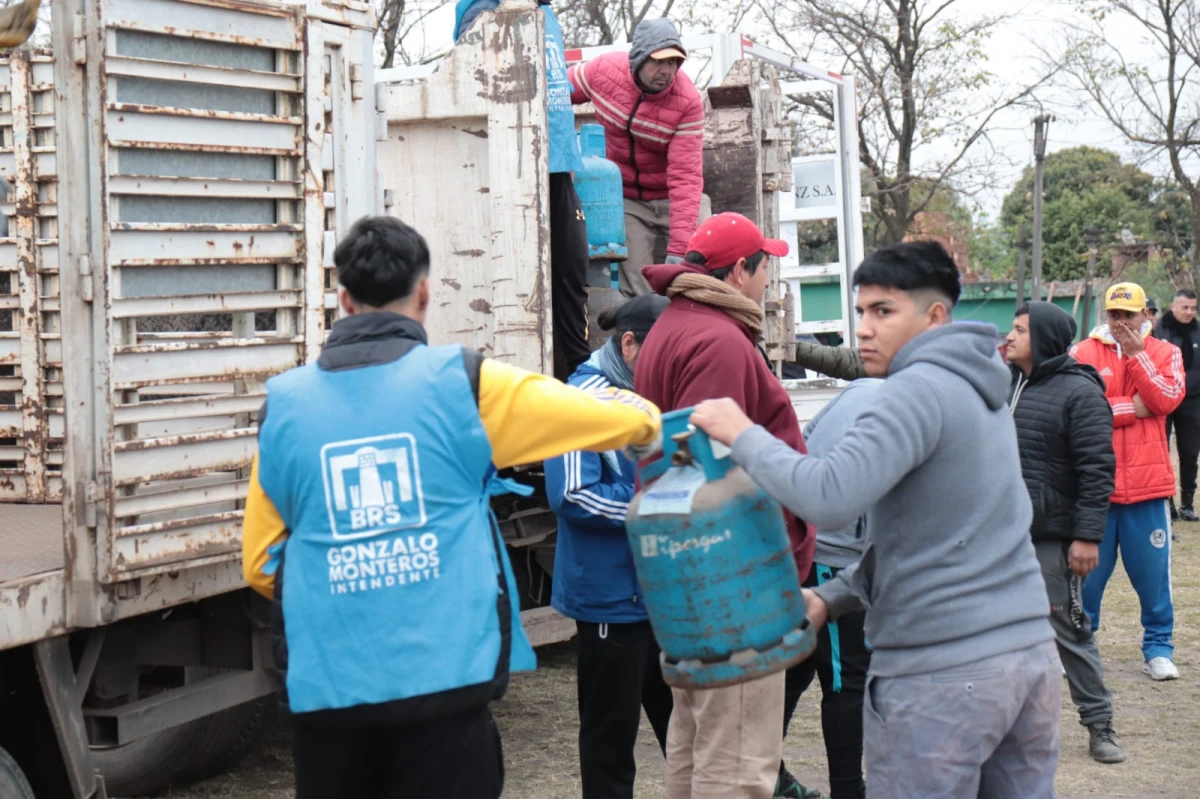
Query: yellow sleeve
{"points": [[262, 528], [530, 417]]}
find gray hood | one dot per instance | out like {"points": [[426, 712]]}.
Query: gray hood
{"points": [[967, 349], [650, 36]]}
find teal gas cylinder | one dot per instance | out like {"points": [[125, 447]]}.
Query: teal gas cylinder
{"points": [[598, 184], [715, 563]]}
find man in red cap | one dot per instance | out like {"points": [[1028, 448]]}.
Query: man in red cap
{"points": [[722, 742]]}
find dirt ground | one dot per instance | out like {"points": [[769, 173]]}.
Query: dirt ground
{"points": [[1159, 723]]}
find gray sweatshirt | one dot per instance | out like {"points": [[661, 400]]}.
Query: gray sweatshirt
{"points": [[948, 574], [841, 547]]}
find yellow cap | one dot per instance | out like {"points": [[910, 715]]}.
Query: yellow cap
{"points": [[668, 52], [1125, 297]]}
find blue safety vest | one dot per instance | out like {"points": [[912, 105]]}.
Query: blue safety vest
{"points": [[396, 584]]}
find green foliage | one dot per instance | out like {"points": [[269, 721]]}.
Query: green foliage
{"points": [[1084, 186]]}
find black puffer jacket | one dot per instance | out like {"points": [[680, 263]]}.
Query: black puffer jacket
{"points": [[1187, 339], [1064, 431]]}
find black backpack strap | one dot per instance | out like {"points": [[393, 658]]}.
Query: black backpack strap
{"points": [[473, 363]]}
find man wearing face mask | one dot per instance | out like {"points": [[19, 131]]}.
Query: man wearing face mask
{"points": [[1179, 326], [1144, 383], [618, 670], [653, 121]]}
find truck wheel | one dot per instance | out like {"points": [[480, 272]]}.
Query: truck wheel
{"points": [[189, 752], [13, 784]]}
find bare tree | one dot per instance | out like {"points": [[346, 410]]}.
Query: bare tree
{"points": [[1154, 103], [401, 36], [597, 22], [926, 101]]}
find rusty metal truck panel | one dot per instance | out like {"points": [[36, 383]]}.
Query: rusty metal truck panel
{"points": [[451, 160]]}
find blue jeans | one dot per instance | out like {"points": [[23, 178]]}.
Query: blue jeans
{"points": [[1142, 534], [987, 729]]}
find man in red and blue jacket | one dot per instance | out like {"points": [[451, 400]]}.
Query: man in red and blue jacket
{"points": [[1144, 383], [596, 584], [653, 121]]}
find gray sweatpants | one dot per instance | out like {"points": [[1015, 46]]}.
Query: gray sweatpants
{"points": [[1076, 644], [987, 729]]}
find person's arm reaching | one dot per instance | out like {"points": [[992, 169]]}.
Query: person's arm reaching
{"points": [[580, 91], [530, 417], [1089, 437], [887, 442], [685, 177], [262, 528], [842, 363], [578, 493]]}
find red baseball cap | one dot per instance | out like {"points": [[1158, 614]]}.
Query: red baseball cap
{"points": [[724, 238]]}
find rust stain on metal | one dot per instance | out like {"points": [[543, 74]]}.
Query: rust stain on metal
{"points": [[452, 283], [469, 254], [485, 190], [481, 305]]}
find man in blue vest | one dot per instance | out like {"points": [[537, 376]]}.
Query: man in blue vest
{"points": [[368, 520], [568, 230]]}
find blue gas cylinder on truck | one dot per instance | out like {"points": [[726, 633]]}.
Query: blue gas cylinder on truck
{"points": [[715, 564], [601, 193]]}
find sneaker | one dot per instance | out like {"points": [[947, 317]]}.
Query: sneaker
{"points": [[789, 787], [1188, 514], [1102, 743], [1161, 669]]}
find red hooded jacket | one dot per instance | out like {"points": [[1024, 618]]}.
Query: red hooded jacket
{"points": [[696, 352], [1156, 375], [657, 139]]}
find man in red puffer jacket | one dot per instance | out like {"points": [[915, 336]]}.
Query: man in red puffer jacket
{"points": [[1144, 382], [654, 129]]}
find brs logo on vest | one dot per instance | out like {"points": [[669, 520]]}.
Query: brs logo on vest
{"points": [[372, 486]]}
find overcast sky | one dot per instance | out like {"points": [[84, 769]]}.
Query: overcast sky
{"points": [[1013, 53]]}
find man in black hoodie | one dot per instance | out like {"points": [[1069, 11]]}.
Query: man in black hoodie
{"points": [[1179, 326], [1064, 434]]}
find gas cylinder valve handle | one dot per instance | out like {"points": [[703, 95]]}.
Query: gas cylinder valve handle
{"points": [[682, 456]]}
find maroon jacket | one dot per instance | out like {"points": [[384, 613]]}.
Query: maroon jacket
{"points": [[696, 352]]}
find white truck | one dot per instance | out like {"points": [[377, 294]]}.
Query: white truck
{"points": [[178, 173]]}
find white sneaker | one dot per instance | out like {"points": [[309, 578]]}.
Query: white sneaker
{"points": [[1161, 669]]}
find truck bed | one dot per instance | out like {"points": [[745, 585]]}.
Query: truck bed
{"points": [[31, 540]]}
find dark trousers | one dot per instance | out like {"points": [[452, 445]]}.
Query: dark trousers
{"points": [[458, 756], [568, 275], [1186, 423], [618, 675], [1073, 634], [841, 663]]}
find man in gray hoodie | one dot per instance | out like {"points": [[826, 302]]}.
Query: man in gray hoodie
{"points": [[963, 693]]}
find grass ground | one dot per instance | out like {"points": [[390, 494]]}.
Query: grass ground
{"points": [[1159, 723]]}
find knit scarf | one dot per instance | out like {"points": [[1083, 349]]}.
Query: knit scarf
{"points": [[717, 294], [608, 360]]}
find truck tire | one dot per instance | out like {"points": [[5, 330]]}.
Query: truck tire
{"points": [[151, 765], [13, 784]]}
